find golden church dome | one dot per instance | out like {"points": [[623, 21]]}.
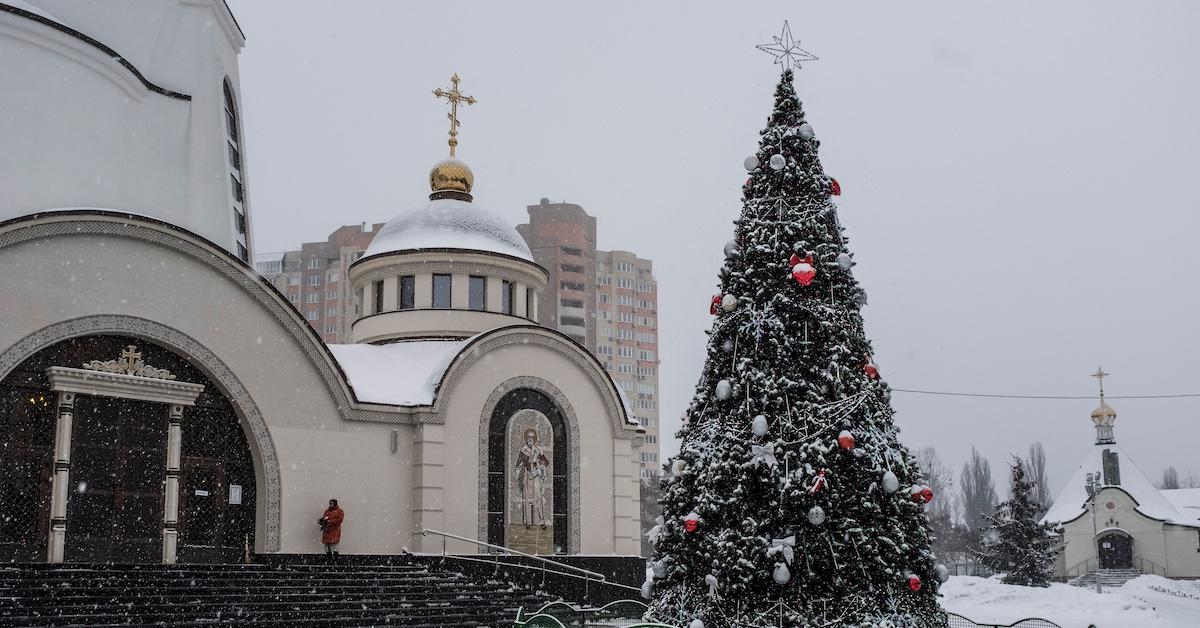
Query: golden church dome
{"points": [[451, 175]]}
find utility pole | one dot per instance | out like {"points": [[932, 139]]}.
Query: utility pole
{"points": [[1092, 484]]}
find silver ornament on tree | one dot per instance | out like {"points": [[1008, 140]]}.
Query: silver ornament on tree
{"points": [[678, 467], [844, 262], [758, 426], [724, 390], [816, 515], [777, 162], [751, 163], [941, 572], [646, 586], [731, 248], [806, 131], [729, 303], [727, 346], [696, 623], [659, 569]]}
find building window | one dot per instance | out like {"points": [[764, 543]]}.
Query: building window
{"points": [[570, 303], [312, 315], [477, 293], [243, 254], [314, 280], [293, 280], [606, 280], [624, 283], [625, 352], [293, 297], [571, 285], [571, 268], [651, 439], [233, 144], [331, 312], [624, 299], [377, 296], [604, 349], [441, 292], [331, 329], [314, 263], [408, 292], [240, 219], [331, 295], [311, 297], [603, 298], [507, 293], [624, 267], [570, 250], [571, 320], [333, 276]]}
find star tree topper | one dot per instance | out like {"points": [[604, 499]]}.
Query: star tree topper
{"points": [[786, 50]]}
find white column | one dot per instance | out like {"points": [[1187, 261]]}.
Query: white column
{"points": [[428, 475], [460, 291], [62, 477], [391, 301], [519, 307], [423, 287], [625, 499], [495, 294], [171, 501]]}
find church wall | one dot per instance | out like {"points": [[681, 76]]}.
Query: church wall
{"points": [[1173, 548], [149, 153], [319, 455], [597, 521]]}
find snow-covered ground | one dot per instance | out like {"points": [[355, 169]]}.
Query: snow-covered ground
{"points": [[1147, 602]]}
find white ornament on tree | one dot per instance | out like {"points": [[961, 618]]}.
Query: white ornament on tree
{"points": [[777, 162], [659, 569], [751, 163], [759, 426], [782, 574], [844, 262], [730, 248], [711, 581], [646, 586], [891, 483], [727, 346], [816, 515], [729, 303], [678, 467], [724, 390], [696, 623], [806, 131]]}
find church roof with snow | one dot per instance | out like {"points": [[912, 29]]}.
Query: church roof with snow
{"points": [[1181, 507], [400, 373], [449, 224]]}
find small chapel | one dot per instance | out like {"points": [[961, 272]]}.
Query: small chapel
{"points": [[1114, 518], [162, 402]]}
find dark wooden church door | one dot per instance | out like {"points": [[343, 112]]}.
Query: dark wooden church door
{"points": [[1116, 551], [115, 506]]}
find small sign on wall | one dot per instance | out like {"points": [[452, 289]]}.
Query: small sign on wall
{"points": [[235, 494], [201, 493]]}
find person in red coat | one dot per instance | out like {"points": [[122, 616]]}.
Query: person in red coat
{"points": [[331, 529]]}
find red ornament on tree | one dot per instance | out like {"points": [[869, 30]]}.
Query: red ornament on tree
{"points": [[803, 270], [914, 583], [870, 368], [926, 493], [818, 483], [846, 440], [714, 305], [835, 189], [691, 522]]}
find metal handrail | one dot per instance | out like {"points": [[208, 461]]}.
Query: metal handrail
{"points": [[1154, 567], [445, 535], [1072, 570]]}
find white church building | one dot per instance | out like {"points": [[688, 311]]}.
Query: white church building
{"points": [[160, 401], [1123, 522]]}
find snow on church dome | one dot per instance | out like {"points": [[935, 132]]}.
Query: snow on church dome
{"points": [[449, 224]]}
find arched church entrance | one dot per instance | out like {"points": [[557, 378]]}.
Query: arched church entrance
{"points": [[144, 461], [1115, 550], [528, 456]]}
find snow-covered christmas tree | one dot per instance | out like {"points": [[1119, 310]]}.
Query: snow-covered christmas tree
{"points": [[791, 502], [1024, 550]]}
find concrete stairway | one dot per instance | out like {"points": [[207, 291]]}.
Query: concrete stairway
{"points": [[294, 595], [1107, 577]]}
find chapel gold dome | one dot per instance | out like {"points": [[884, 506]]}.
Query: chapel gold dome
{"points": [[451, 175]]}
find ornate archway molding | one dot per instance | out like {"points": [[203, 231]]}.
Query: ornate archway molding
{"points": [[261, 445], [572, 424]]}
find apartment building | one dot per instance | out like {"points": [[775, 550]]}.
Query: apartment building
{"points": [[605, 300], [313, 278]]}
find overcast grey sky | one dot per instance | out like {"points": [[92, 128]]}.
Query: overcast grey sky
{"points": [[1019, 178]]}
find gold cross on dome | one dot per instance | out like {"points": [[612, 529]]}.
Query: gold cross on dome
{"points": [[131, 356], [1100, 375], [455, 96]]}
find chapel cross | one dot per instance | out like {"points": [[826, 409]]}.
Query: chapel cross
{"points": [[455, 96], [131, 356], [1100, 375]]}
